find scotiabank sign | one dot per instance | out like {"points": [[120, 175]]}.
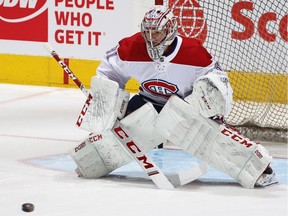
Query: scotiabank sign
{"points": [[268, 18], [24, 20], [190, 18]]}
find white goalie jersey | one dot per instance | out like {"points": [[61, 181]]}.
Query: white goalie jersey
{"points": [[159, 79]]}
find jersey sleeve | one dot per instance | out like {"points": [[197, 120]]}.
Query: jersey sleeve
{"points": [[113, 68]]}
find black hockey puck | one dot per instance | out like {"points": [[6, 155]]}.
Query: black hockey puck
{"points": [[28, 207]]}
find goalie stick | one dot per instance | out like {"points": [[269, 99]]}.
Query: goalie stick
{"points": [[161, 180]]}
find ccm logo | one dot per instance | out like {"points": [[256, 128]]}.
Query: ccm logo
{"points": [[84, 110], [79, 147], [234, 135], [95, 138], [134, 149]]}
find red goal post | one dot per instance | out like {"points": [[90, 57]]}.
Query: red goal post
{"points": [[249, 39]]}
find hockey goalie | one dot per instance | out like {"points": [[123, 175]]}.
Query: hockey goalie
{"points": [[183, 97]]}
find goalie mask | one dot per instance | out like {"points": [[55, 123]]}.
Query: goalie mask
{"points": [[159, 29]]}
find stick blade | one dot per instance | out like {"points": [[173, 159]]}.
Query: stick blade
{"points": [[189, 175]]}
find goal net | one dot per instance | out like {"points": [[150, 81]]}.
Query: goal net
{"points": [[249, 40]]}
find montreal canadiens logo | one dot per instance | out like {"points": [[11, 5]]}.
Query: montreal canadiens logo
{"points": [[15, 11], [190, 18], [160, 87]]}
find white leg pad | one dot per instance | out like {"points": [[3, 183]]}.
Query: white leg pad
{"points": [[141, 126], [220, 146], [100, 154]]}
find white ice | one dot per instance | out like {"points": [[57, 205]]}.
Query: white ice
{"points": [[39, 122]]}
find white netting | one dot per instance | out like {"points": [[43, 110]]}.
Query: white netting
{"points": [[249, 39]]}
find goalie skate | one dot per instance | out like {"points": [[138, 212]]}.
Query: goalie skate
{"points": [[267, 178]]}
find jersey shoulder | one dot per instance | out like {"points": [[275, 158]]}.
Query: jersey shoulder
{"points": [[192, 53], [133, 48]]}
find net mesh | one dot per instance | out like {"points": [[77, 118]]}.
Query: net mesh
{"points": [[249, 40]]}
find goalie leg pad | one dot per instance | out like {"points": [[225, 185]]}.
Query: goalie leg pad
{"points": [[220, 146], [99, 155], [141, 126]]}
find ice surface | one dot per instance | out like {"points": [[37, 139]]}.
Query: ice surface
{"points": [[37, 129]]}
